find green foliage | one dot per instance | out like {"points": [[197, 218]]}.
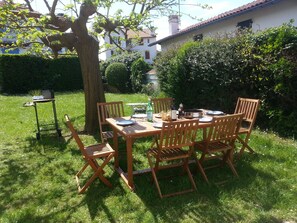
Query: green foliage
{"points": [[150, 90], [214, 72], [117, 76], [126, 57], [138, 69], [162, 64], [21, 73]]}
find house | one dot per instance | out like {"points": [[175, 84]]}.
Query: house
{"points": [[152, 78], [257, 15], [136, 41]]}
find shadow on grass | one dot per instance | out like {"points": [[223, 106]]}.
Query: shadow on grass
{"points": [[210, 202]]}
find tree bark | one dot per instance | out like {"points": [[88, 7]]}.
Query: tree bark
{"points": [[87, 51]]}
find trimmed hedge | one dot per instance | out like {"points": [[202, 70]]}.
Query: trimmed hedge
{"points": [[126, 58], [212, 73], [117, 76], [22, 73]]}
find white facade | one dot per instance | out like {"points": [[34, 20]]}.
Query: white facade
{"points": [[146, 37], [270, 15]]}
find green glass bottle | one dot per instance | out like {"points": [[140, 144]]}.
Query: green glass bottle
{"points": [[149, 111]]}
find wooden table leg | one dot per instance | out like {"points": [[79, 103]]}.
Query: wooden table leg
{"points": [[129, 141], [116, 148]]}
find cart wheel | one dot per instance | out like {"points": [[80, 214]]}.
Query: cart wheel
{"points": [[59, 132], [37, 136]]}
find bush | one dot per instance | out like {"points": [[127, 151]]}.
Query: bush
{"points": [[127, 58], [214, 72], [138, 70], [117, 76]]}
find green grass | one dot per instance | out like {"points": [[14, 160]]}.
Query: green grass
{"points": [[37, 177]]}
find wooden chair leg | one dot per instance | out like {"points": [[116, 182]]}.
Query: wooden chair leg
{"points": [[98, 173], [244, 145], [186, 166], [79, 173], [200, 168], [230, 163], [154, 176]]}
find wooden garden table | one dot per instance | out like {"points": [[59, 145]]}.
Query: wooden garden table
{"points": [[140, 129]]}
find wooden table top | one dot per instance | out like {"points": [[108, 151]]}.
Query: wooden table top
{"points": [[141, 127]]}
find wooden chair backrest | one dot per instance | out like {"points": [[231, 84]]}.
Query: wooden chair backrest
{"points": [[75, 135], [162, 104], [249, 107], [178, 134], [109, 110], [224, 128]]}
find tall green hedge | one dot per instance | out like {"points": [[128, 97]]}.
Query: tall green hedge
{"points": [[138, 70], [212, 73], [22, 73]]}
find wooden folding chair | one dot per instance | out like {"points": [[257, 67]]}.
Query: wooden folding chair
{"points": [[169, 147], [162, 104], [249, 107], [91, 154], [219, 142], [108, 110]]}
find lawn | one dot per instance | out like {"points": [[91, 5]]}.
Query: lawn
{"points": [[37, 177]]}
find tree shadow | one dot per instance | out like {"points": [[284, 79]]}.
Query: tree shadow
{"points": [[209, 202]]}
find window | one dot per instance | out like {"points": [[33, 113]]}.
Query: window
{"points": [[148, 40], [141, 41], [246, 24], [198, 37], [147, 55]]}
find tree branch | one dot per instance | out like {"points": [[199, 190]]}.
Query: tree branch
{"points": [[53, 9], [47, 5], [29, 5]]}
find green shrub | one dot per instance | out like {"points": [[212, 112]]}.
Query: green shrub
{"points": [[138, 70], [212, 73], [117, 76], [127, 58], [162, 64]]}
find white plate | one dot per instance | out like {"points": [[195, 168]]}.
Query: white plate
{"points": [[139, 116], [38, 97], [205, 119], [158, 116], [158, 124], [125, 122], [214, 113]]}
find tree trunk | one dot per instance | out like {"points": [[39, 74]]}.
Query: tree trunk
{"points": [[87, 51]]}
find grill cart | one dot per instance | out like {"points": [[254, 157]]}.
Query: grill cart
{"points": [[46, 97]]}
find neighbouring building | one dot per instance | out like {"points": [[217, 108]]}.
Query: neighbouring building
{"points": [[135, 41], [257, 15], [7, 41], [151, 77]]}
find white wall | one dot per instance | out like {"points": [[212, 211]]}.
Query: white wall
{"points": [[271, 16], [140, 48]]}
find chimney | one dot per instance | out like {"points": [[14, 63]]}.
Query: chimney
{"points": [[173, 24]]}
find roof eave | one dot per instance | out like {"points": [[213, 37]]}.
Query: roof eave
{"points": [[214, 21]]}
